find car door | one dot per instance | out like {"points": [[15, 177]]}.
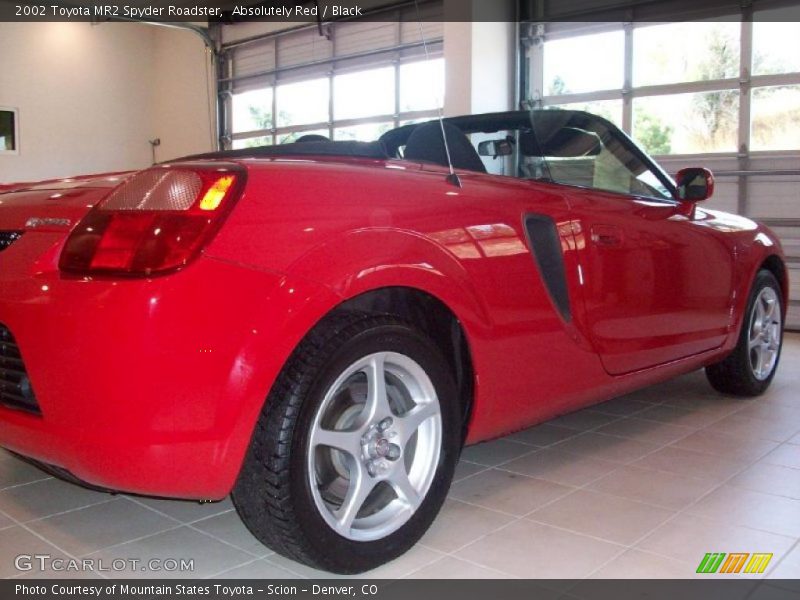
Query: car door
{"points": [[656, 283]]}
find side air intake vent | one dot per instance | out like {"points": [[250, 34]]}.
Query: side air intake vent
{"points": [[7, 238], [15, 386]]}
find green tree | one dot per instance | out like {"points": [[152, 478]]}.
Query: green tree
{"points": [[718, 111], [558, 86], [654, 137]]}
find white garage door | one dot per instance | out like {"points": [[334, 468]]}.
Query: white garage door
{"points": [[350, 79]]}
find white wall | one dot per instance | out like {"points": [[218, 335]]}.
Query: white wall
{"points": [[91, 96], [183, 99], [480, 58]]}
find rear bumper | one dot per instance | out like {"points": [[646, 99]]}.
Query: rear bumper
{"points": [[147, 386]]}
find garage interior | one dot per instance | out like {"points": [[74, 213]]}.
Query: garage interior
{"points": [[642, 486]]}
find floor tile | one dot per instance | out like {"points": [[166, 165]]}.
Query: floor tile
{"points": [[606, 447], [622, 407], [466, 469], [583, 420], [48, 497], [787, 455], [15, 471], [491, 454], [681, 417], [690, 537], [257, 569], [769, 411], [748, 427], [693, 464], [601, 515], [17, 541], [5, 522], [660, 488], [635, 564], [777, 480], [459, 524], [451, 567], [739, 506], [543, 435], [413, 560], [561, 467], [532, 550], [652, 432], [510, 493], [728, 446], [186, 511], [229, 528], [89, 529], [209, 555], [786, 565]]}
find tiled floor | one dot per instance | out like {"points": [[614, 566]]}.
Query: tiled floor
{"points": [[641, 486]]}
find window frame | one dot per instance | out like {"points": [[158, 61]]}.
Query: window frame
{"points": [[396, 117], [534, 45], [15, 117]]}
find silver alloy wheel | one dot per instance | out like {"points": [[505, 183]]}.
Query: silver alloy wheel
{"points": [[374, 446], [764, 338]]}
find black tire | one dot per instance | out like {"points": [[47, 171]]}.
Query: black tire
{"points": [[735, 375], [272, 494]]}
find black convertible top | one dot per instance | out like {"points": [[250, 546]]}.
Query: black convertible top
{"points": [[385, 147], [356, 149]]}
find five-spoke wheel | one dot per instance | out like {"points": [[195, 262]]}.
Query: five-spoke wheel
{"points": [[750, 367], [374, 446], [764, 340], [356, 445]]}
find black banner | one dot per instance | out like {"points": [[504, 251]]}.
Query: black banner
{"points": [[321, 11], [365, 589]]}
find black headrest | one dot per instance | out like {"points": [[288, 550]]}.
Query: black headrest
{"points": [[426, 143], [311, 137]]}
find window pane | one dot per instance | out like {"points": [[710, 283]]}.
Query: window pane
{"points": [[363, 94], [776, 118], [254, 142], [362, 133], [584, 64], [687, 123], [776, 48], [303, 102], [678, 52], [422, 85], [8, 142], [252, 111], [608, 109], [296, 135]]}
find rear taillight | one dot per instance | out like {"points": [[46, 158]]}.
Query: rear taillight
{"points": [[155, 222]]}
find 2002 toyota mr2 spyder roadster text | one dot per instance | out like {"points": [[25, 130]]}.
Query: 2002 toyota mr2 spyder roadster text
{"points": [[318, 328]]}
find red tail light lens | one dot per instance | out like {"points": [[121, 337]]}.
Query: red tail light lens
{"points": [[156, 222]]}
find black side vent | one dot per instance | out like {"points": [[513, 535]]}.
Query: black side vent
{"points": [[8, 237], [15, 386], [546, 246]]}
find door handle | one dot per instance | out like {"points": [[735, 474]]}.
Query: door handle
{"points": [[606, 235]]}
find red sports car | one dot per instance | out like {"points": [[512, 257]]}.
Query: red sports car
{"points": [[319, 327]]}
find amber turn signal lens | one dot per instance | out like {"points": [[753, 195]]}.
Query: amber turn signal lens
{"points": [[215, 194]]}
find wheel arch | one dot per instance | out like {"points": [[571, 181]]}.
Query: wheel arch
{"points": [[775, 265], [433, 317]]}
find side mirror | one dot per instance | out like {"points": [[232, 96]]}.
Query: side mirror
{"points": [[695, 184], [495, 148]]}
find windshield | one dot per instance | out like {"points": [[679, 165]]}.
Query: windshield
{"points": [[580, 149]]}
